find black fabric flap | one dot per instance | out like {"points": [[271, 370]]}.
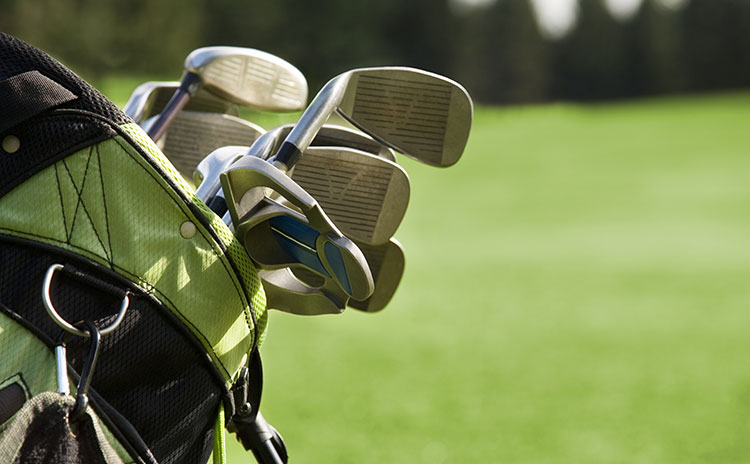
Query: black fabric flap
{"points": [[27, 94]]}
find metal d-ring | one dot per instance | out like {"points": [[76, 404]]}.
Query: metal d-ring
{"points": [[65, 324]]}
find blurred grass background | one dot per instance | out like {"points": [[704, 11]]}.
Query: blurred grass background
{"points": [[576, 291]]}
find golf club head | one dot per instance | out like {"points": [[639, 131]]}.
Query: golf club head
{"points": [[276, 236], [420, 114], [365, 195], [386, 262], [285, 292], [206, 173], [192, 134], [150, 98], [249, 77]]}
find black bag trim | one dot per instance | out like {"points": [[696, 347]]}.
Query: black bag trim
{"points": [[20, 166], [28, 94]]}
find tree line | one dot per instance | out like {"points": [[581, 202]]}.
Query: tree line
{"points": [[496, 51]]}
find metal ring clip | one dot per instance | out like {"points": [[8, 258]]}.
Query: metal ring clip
{"points": [[65, 324]]}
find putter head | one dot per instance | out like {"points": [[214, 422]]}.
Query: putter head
{"points": [[149, 98], [249, 77], [276, 236], [285, 292], [193, 134], [386, 262], [365, 195], [420, 114]]}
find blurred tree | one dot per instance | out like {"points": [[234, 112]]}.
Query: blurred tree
{"points": [[716, 43], [658, 60], [110, 36], [591, 62], [502, 56]]}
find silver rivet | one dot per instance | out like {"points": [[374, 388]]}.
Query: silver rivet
{"points": [[187, 229], [11, 144]]}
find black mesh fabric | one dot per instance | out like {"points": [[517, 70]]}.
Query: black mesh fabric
{"points": [[149, 369], [53, 134]]}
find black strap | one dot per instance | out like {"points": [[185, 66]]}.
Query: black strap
{"points": [[27, 94], [243, 400]]}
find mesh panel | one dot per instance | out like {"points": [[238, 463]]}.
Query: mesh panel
{"points": [[148, 369], [235, 250]]}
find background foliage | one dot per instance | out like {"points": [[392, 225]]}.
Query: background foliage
{"points": [[496, 51]]}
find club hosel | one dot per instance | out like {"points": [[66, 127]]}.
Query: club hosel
{"points": [[190, 83], [287, 156]]}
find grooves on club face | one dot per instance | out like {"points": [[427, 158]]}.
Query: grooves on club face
{"points": [[249, 77], [194, 134], [366, 196], [422, 115]]}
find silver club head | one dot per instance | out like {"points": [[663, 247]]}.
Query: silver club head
{"points": [[206, 174], [193, 134], [150, 98], [285, 292], [249, 77], [276, 236], [365, 195], [420, 114], [386, 262]]}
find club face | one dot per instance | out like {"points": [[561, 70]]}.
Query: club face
{"points": [[420, 114], [366, 196], [249, 77], [387, 264], [193, 134], [150, 98]]}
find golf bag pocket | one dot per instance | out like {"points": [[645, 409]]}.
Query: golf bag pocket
{"points": [[91, 211]]}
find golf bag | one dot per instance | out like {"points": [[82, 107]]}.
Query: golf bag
{"points": [[112, 269]]}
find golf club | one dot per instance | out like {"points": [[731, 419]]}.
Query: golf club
{"points": [[149, 99], [422, 115], [192, 134], [276, 236], [243, 76]]}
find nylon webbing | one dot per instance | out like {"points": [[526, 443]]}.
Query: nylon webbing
{"points": [[27, 94]]}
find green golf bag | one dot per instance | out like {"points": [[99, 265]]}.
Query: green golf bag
{"points": [[117, 285]]}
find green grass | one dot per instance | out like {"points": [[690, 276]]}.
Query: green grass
{"points": [[576, 291]]}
